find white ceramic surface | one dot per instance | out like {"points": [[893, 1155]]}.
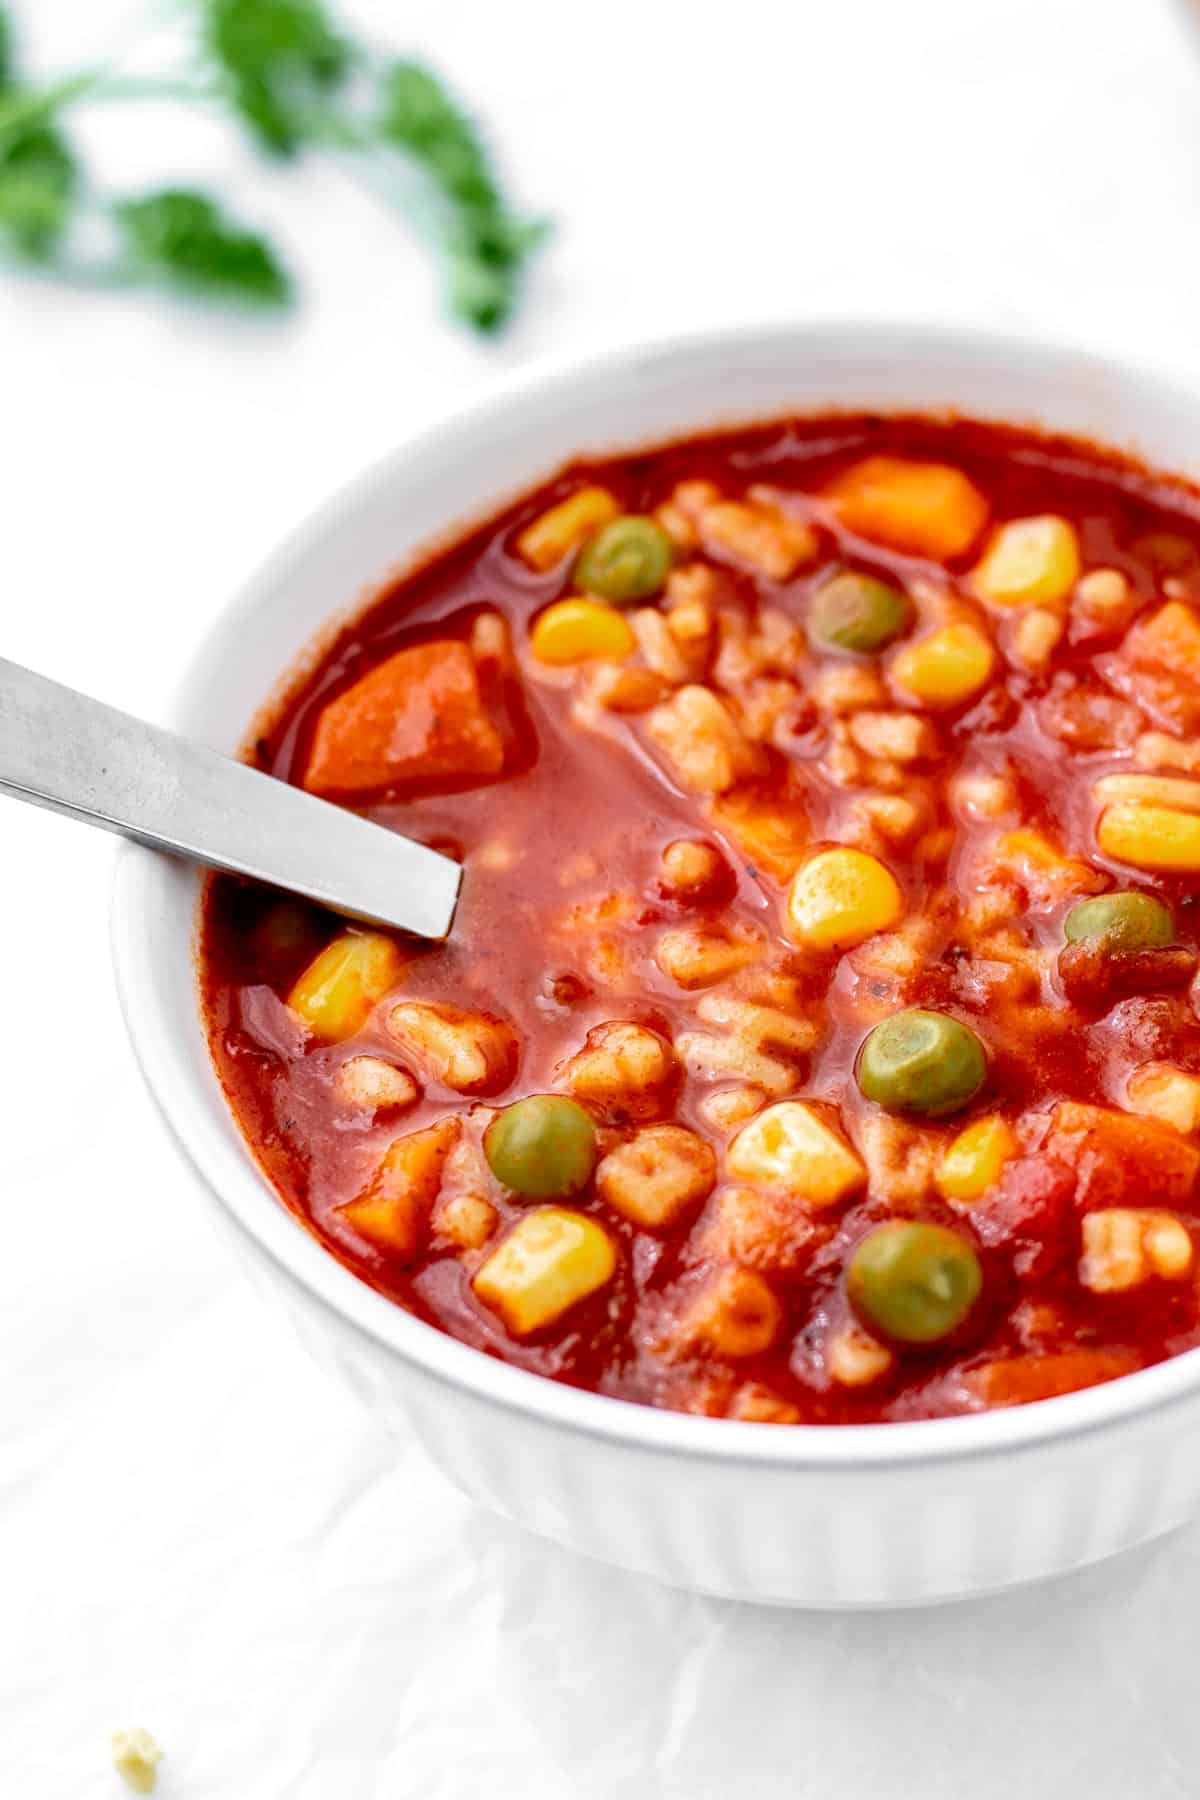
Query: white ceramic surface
{"points": [[858, 1516]]}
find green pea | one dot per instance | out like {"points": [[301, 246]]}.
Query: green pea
{"points": [[544, 1146], [921, 1062], [1121, 922], [912, 1282], [857, 612], [628, 559]]}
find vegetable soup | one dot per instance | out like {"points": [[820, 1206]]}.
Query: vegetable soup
{"points": [[817, 1040]]}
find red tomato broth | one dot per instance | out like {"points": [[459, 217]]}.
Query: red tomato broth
{"points": [[588, 811]]}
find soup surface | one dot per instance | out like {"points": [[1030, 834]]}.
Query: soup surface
{"points": [[817, 1039]]}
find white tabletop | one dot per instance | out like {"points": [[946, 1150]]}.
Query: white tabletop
{"points": [[196, 1532]]}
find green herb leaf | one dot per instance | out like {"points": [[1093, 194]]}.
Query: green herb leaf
{"points": [[6, 50], [486, 245], [419, 115], [296, 81], [184, 238], [283, 60], [38, 181]]}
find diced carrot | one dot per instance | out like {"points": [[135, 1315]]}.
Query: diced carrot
{"points": [[1169, 639], [928, 509], [771, 831], [1158, 665], [1015, 1380], [1119, 1158], [393, 1212], [417, 718]]}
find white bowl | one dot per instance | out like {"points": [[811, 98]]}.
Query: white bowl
{"points": [[875, 1515]]}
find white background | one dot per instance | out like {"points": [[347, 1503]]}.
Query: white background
{"points": [[195, 1532]]}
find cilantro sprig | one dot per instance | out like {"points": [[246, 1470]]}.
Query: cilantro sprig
{"points": [[183, 238], [39, 179], [282, 62], [484, 243], [296, 84]]}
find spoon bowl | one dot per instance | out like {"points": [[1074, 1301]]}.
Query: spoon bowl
{"points": [[61, 750]]}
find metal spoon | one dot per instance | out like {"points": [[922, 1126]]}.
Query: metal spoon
{"points": [[61, 750]]}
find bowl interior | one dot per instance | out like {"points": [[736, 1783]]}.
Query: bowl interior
{"points": [[432, 488]]}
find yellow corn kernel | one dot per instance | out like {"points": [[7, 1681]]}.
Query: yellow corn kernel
{"points": [[975, 1159], [1174, 791], [840, 897], [791, 1146], [948, 666], [550, 1260], [563, 528], [1030, 562], [339, 987], [575, 631], [1150, 837], [1159, 1090]]}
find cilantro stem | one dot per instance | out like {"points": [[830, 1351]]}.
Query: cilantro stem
{"points": [[23, 108], [128, 87]]}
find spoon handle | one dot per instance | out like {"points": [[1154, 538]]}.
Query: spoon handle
{"points": [[62, 750]]}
